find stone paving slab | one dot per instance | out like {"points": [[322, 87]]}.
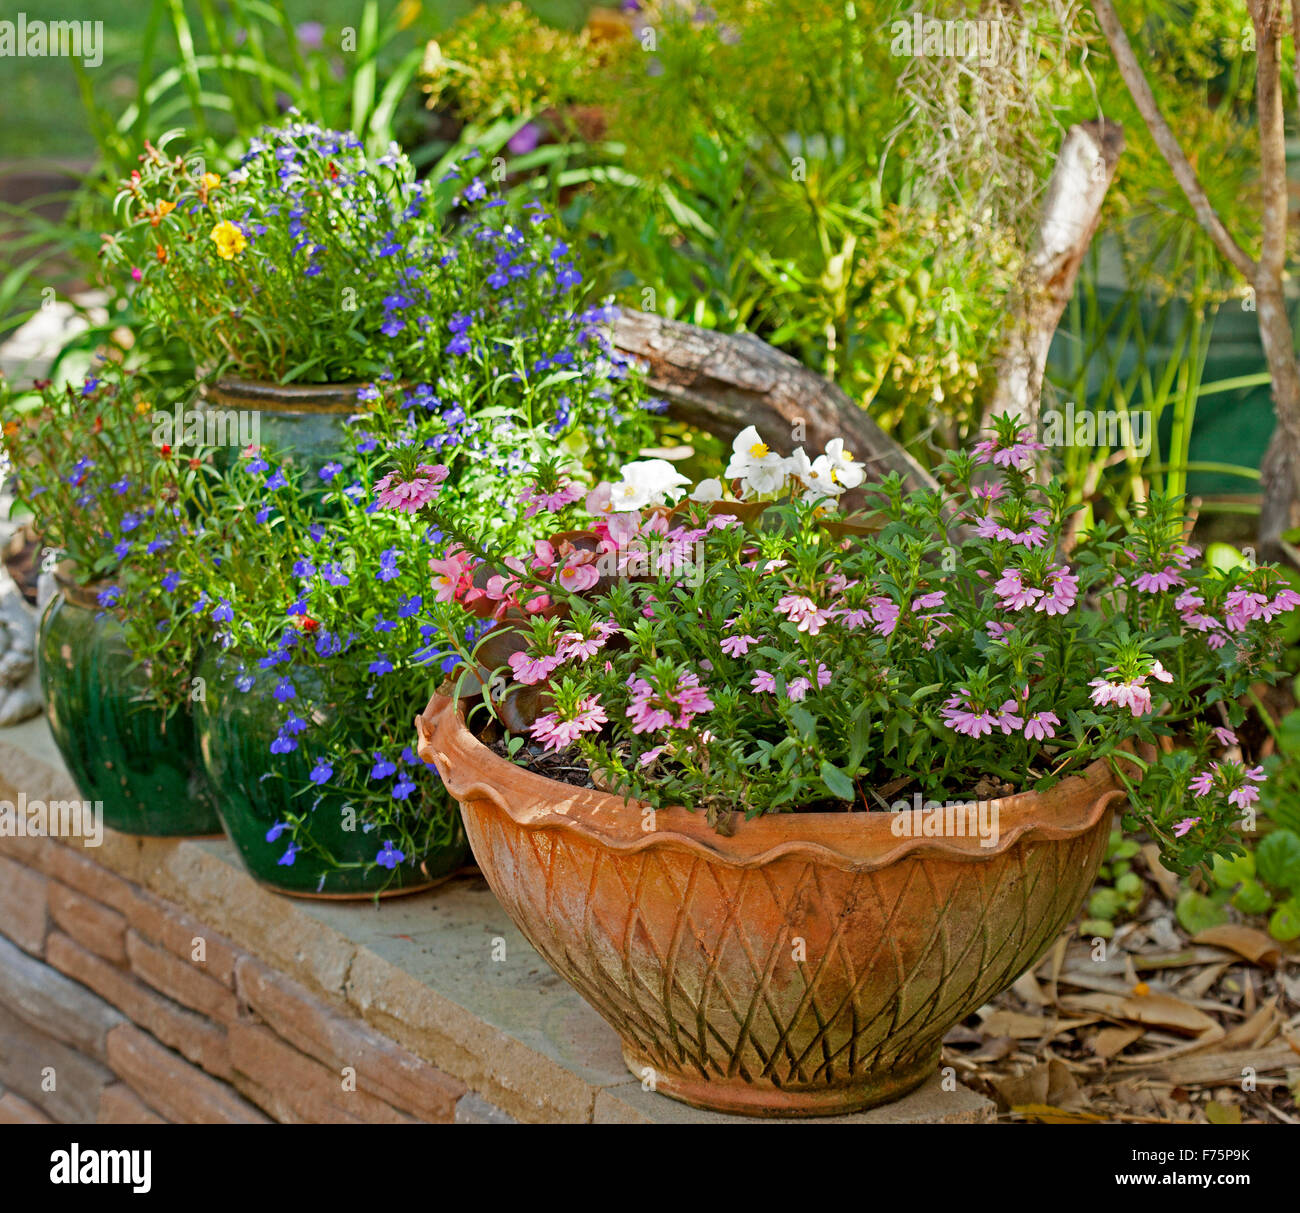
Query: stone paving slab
{"points": [[443, 973]]}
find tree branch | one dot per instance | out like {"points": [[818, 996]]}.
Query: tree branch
{"points": [[1184, 174]]}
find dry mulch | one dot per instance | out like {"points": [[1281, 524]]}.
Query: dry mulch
{"points": [[1159, 1028]]}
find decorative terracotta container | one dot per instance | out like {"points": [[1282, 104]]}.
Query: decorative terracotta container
{"points": [[120, 747], [808, 965]]}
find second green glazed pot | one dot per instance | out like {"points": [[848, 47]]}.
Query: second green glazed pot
{"points": [[119, 746], [256, 791]]}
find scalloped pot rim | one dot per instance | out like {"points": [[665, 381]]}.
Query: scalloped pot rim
{"points": [[858, 842]]}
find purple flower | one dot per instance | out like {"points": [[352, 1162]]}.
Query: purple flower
{"points": [[330, 470], [284, 691], [108, 596], [382, 768], [404, 786], [389, 856], [223, 612], [276, 830], [322, 771], [286, 860]]}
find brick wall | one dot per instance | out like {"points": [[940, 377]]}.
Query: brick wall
{"points": [[118, 1006]]}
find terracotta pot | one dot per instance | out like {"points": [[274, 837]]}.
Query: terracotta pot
{"points": [[808, 965]]}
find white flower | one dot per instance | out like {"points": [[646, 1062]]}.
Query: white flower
{"points": [[707, 491], [646, 482], [816, 476], [844, 471], [758, 468]]}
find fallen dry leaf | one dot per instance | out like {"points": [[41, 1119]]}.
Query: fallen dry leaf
{"points": [[1046, 1114], [1155, 1009], [1110, 1041], [1255, 945]]}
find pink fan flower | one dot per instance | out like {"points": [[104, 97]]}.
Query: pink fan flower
{"points": [[1225, 736], [1242, 606], [1244, 795], [738, 646], [1062, 589], [411, 496], [958, 715], [651, 710], [535, 500], [1283, 601], [573, 644], [885, 613], [798, 689], [1019, 455], [1013, 592], [1167, 578], [763, 681], [1185, 826], [804, 612], [531, 670], [557, 733], [1039, 726]]}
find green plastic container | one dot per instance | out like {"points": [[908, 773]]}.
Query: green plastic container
{"points": [[255, 790], [118, 745]]}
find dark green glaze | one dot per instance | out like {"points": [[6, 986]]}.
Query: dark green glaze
{"points": [[120, 748], [255, 790]]}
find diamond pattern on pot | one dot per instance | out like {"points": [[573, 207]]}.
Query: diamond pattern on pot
{"points": [[791, 974]]}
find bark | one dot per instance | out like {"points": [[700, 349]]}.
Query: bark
{"points": [[1071, 211], [1280, 471], [1281, 506], [722, 382]]}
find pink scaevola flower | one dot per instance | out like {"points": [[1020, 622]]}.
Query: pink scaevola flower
{"points": [[535, 500], [1185, 826], [1062, 589], [651, 710], [763, 681], [1241, 607], [1039, 727], [573, 644], [738, 646], [798, 689], [1283, 601], [1167, 578], [1018, 455], [531, 670], [1225, 736], [804, 612], [961, 718], [557, 733], [411, 496], [885, 612]]}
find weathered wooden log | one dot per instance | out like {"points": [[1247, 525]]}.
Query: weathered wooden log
{"points": [[722, 382]]}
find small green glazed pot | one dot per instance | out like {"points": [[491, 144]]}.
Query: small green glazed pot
{"points": [[330, 854], [120, 747]]}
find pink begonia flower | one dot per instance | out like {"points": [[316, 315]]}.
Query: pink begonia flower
{"points": [[453, 574], [1185, 826], [1039, 726], [578, 572], [600, 501], [763, 681], [557, 733], [651, 710], [738, 646], [411, 496]]}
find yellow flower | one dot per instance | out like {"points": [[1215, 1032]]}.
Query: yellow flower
{"points": [[211, 181], [230, 241]]}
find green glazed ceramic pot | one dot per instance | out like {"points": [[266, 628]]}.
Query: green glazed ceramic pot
{"points": [[119, 746], [256, 791], [303, 423]]}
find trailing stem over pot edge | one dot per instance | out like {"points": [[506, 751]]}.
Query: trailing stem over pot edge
{"points": [[765, 653]]}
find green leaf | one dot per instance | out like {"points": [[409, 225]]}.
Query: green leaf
{"points": [[859, 738], [1284, 924], [1277, 860], [1252, 897], [839, 783], [1230, 872], [1196, 912]]}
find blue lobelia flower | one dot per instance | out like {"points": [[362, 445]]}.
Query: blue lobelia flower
{"points": [[389, 856]]}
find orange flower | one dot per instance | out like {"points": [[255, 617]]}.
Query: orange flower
{"points": [[161, 211], [160, 252]]}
